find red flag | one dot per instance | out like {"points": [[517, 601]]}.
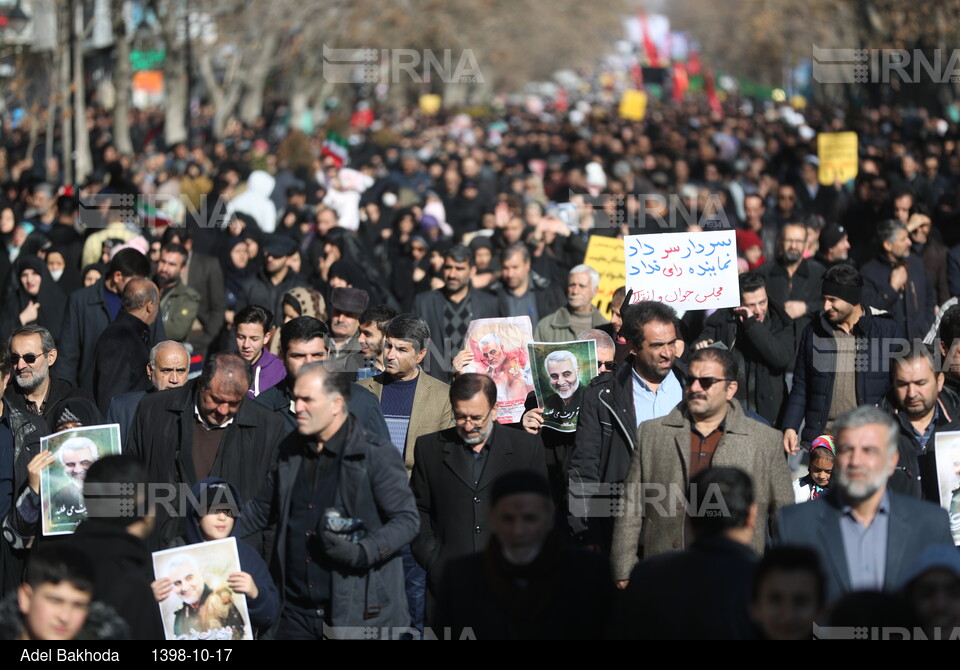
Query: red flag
{"points": [[680, 81], [711, 88], [693, 61], [648, 44]]}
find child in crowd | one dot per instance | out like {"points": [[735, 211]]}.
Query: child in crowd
{"points": [[823, 455], [215, 519]]}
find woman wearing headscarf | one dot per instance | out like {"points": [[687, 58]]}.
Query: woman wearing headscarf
{"points": [[33, 297], [66, 276], [299, 302]]}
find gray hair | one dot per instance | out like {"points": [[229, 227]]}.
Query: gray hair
{"points": [[490, 337], [866, 415], [76, 444], [887, 230], [594, 275], [182, 559], [46, 339], [603, 340], [160, 346], [557, 357]]}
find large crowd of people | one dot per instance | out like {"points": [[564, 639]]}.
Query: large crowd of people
{"points": [[284, 321]]}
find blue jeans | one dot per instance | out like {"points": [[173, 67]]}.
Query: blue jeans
{"points": [[415, 585]]}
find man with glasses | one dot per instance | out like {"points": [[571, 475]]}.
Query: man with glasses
{"points": [[453, 471], [792, 280], [32, 389], [708, 430]]}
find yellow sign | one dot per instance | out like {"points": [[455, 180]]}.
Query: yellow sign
{"points": [[605, 255], [633, 105], [430, 104], [838, 157]]}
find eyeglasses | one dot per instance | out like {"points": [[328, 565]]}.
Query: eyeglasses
{"points": [[475, 420], [606, 365], [226, 511], [29, 359], [706, 382]]}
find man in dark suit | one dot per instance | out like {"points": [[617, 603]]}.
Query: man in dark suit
{"points": [[207, 428], [453, 470], [866, 536], [449, 310]]}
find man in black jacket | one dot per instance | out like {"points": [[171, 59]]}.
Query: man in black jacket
{"points": [[206, 428], [123, 350], [702, 592], [449, 310], [793, 282], [90, 310], [115, 543], [266, 288], [528, 583], [32, 386], [922, 406], [647, 385], [521, 292], [760, 334], [897, 282]]}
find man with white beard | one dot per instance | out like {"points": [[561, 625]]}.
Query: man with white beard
{"points": [[867, 536]]}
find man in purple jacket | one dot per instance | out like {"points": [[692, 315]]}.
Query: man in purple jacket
{"points": [[253, 327]]}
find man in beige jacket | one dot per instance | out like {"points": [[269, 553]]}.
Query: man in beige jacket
{"points": [[708, 429]]}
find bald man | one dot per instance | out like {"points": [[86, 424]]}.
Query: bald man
{"points": [[123, 350], [168, 368]]}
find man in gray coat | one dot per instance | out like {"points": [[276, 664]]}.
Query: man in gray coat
{"points": [[342, 508], [708, 429]]}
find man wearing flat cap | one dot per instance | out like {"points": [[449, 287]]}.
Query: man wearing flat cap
{"points": [[266, 288], [346, 306]]}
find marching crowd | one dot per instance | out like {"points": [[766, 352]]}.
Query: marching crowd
{"points": [[283, 333]]}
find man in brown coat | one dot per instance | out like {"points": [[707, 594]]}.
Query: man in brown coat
{"points": [[709, 429]]}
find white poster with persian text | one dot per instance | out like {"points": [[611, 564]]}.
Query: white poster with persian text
{"points": [[684, 270]]}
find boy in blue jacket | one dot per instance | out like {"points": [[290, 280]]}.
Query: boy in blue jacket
{"points": [[217, 522]]}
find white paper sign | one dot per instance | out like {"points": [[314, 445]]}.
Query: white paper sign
{"points": [[684, 270]]}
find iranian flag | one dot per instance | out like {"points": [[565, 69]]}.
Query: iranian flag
{"points": [[336, 147]]}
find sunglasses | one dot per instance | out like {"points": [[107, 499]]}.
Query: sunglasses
{"points": [[706, 382], [606, 365], [29, 359], [226, 511]]}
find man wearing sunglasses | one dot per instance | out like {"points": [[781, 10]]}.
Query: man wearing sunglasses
{"points": [[32, 387], [709, 429]]}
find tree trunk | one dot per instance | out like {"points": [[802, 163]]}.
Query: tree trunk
{"points": [[256, 80], [174, 82], [66, 114], [84, 157], [224, 102], [122, 83]]}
